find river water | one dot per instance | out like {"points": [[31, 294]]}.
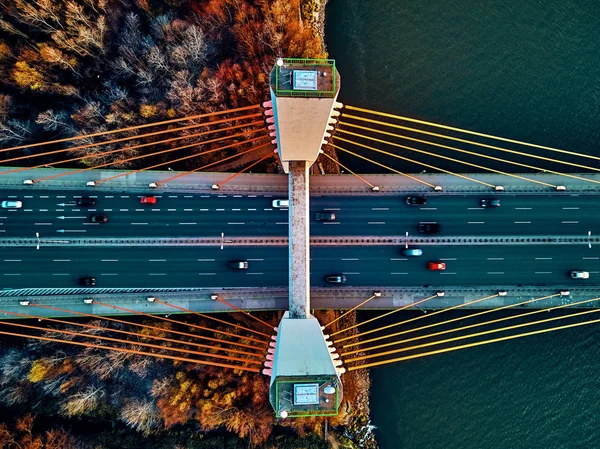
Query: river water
{"points": [[522, 69]]}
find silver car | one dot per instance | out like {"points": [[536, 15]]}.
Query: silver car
{"points": [[580, 275], [12, 204]]}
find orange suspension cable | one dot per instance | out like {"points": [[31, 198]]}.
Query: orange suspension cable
{"points": [[446, 157], [450, 128], [245, 169], [477, 334], [471, 345], [148, 345], [216, 162], [246, 313], [147, 326], [406, 306], [349, 311], [437, 312], [381, 165], [134, 334], [530, 301], [114, 131], [195, 326], [141, 136], [348, 170], [132, 351], [468, 178], [209, 317], [188, 157]]}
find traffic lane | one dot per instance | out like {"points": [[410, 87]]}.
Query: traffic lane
{"points": [[142, 267]]}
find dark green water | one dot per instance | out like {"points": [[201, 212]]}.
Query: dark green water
{"points": [[523, 69]]}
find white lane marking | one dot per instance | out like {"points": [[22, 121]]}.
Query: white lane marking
{"points": [[331, 208], [590, 258], [172, 196], [251, 196], [204, 196], [188, 210], [236, 209], [139, 210], [255, 260], [24, 210], [90, 224], [59, 210], [2, 230], [109, 196], [220, 210], [475, 222], [331, 222], [123, 210], [543, 258], [157, 274], [376, 222], [188, 223], [109, 260], [523, 208], [522, 222], [251, 209], [89, 210], [398, 273], [443, 272], [255, 273], [206, 260], [350, 259], [448, 259], [171, 210], [237, 196], [139, 223], [495, 258], [428, 208], [157, 260], [474, 208], [570, 208], [44, 196], [43, 210], [495, 272], [543, 272], [110, 210], [124, 196], [398, 259], [62, 260], [207, 274], [12, 260], [268, 209], [28, 196], [380, 208], [42, 224], [60, 196], [222, 196], [188, 196], [12, 274], [569, 222], [281, 222], [60, 274], [155, 210], [234, 223], [348, 272], [109, 274], [203, 210]]}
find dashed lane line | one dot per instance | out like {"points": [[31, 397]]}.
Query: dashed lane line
{"points": [[543, 258], [495, 272], [188, 223], [495, 258], [206, 260], [207, 274]]}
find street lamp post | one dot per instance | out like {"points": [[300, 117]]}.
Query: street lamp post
{"points": [[37, 236], [590, 239]]}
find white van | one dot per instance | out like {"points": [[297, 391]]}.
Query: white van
{"points": [[281, 203]]}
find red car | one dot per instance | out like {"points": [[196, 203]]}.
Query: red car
{"points": [[436, 266], [148, 200]]}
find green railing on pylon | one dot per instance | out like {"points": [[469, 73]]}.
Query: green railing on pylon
{"points": [[302, 62]]}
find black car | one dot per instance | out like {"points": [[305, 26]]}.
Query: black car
{"points": [[336, 279], [490, 203], [86, 201], [89, 281], [238, 264], [416, 200], [98, 219], [324, 216], [429, 228]]}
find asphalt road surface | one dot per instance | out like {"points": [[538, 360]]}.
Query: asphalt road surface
{"points": [[53, 213], [363, 266]]}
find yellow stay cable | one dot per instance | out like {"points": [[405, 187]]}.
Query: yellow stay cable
{"points": [[420, 337], [466, 131], [477, 334], [349, 311], [445, 157], [347, 169], [468, 178]]}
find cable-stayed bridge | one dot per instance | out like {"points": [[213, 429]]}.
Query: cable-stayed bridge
{"points": [[174, 254]]}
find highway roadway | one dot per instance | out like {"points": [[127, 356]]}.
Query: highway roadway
{"points": [[53, 213], [363, 266]]}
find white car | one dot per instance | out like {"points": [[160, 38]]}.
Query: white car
{"points": [[12, 204], [580, 275], [278, 204]]}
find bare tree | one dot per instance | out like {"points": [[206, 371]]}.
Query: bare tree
{"points": [[141, 414], [83, 402]]}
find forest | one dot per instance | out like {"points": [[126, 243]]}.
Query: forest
{"points": [[74, 67]]}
